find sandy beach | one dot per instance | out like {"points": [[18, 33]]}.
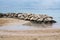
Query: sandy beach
{"points": [[29, 19], [11, 21], [39, 34], [47, 34]]}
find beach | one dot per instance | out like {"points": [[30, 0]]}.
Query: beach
{"points": [[11, 21], [37, 34], [29, 19], [46, 34]]}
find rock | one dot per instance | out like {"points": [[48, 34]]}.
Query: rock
{"points": [[12, 15], [15, 15], [35, 18], [7, 14], [4, 15], [1, 15], [29, 14], [30, 17], [52, 21], [25, 15], [48, 19], [41, 19], [26, 18], [19, 15]]}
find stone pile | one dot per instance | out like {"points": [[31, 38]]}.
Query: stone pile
{"points": [[37, 18]]}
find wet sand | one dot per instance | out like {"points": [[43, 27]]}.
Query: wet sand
{"points": [[38, 34]]}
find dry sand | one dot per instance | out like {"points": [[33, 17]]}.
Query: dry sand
{"points": [[41, 34], [12, 21], [47, 34]]}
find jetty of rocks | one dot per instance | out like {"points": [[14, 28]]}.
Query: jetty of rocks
{"points": [[36, 18]]}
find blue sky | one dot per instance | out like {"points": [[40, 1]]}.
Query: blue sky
{"points": [[38, 4]]}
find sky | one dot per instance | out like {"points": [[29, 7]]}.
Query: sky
{"points": [[13, 5]]}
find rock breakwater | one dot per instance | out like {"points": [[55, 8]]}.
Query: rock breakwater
{"points": [[35, 18]]}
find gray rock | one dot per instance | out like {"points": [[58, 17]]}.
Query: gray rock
{"points": [[15, 15], [32, 18], [7, 14], [19, 15], [41, 19], [4, 16], [1, 15], [26, 18], [25, 15], [47, 20]]}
